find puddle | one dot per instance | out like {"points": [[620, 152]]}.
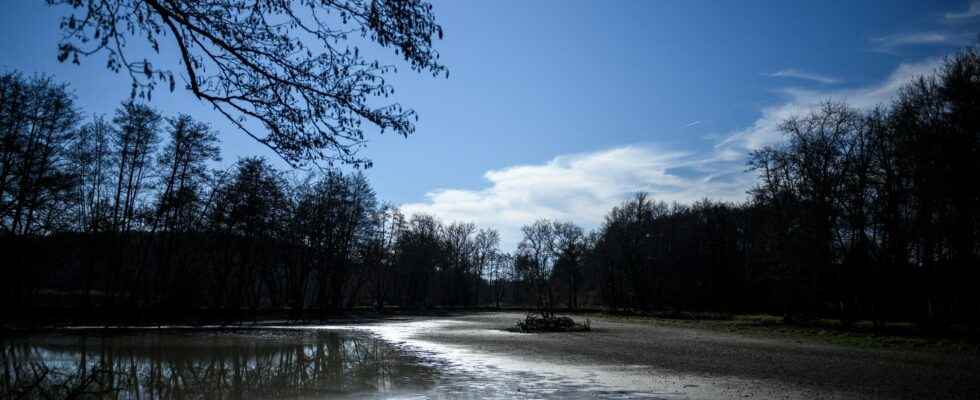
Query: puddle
{"points": [[385, 360], [478, 374], [215, 365]]}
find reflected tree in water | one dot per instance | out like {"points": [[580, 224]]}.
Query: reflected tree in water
{"points": [[207, 365]]}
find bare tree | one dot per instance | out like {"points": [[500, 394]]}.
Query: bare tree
{"points": [[570, 249], [536, 262], [500, 274], [388, 224], [37, 118], [459, 245], [137, 136], [90, 156], [183, 165], [486, 244]]}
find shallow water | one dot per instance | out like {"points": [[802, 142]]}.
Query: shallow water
{"points": [[358, 361]]}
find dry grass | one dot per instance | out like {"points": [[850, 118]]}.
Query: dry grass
{"points": [[860, 334]]}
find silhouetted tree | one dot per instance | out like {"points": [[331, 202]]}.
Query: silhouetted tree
{"points": [[248, 214], [380, 251], [37, 118], [134, 146], [419, 257], [458, 245], [856, 214], [288, 67], [486, 246], [90, 157], [811, 172], [500, 275], [570, 249], [535, 262], [184, 167]]}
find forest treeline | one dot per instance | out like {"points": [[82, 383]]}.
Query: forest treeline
{"points": [[857, 214]]}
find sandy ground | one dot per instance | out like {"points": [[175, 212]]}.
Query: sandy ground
{"points": [[680, 362]]}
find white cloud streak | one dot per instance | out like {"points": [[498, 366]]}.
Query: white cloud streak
{"points": [[890, 43], [765, 130], [973, 10], [798, 74], [583, 187]]}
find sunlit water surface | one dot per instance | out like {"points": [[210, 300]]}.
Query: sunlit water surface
{"points": [[384, 360]]}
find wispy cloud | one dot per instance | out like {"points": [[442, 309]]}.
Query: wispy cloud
{"points": [[798, 74], [973, 10], [584, 187], [891, 42], [692, 124], [765, 129]]}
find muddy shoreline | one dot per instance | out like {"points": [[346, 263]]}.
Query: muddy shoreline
{"points": [[623, 358], [713, 364]]}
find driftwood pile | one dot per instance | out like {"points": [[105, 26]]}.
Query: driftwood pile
{"points": [[536, 323]]}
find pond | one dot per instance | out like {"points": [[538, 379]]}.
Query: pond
{"points": [[266, 363], [215, 364]]}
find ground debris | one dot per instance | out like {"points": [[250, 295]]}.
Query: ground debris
{"points": [[537, 323]]}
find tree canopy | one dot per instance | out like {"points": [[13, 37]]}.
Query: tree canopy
{"points": [[287, 73]]}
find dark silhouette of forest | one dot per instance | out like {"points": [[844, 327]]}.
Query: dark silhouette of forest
{"points": [[857, 214]]}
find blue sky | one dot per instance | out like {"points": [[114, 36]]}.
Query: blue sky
{"points": [[562, 109]]}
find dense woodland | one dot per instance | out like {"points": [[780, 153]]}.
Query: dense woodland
{"points": [[857, 214]]}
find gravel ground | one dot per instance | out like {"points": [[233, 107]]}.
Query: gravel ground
{"points": [[698, 363]]}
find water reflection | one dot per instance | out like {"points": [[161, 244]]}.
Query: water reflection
{"points": [[208, 364], [360, 361]]}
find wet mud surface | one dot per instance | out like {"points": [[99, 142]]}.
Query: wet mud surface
{"points": [[472, 356]]}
